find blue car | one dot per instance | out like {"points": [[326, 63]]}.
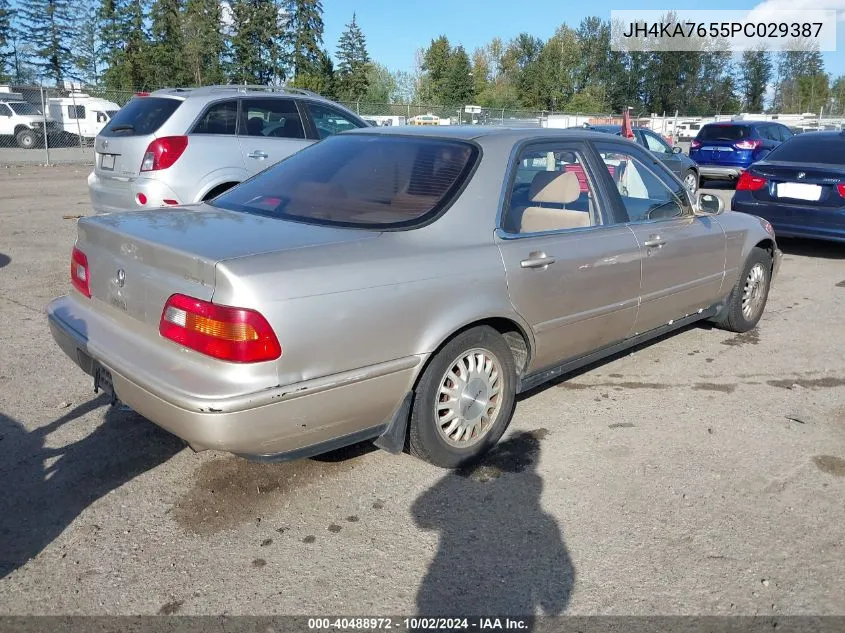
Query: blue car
{"points": [[799, 188], [724, 150]]}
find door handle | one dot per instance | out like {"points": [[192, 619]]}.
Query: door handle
{"points": [[654, 241], [257, 154], [537, 259]]}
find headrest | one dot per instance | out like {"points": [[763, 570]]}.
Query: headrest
{"points": [[555, 186]]}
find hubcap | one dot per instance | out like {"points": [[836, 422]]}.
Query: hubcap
{"points": [[753, 292], [469, 398], [691, 182]]}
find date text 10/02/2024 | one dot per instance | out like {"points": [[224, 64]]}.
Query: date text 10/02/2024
{"points": [[419, 623]]}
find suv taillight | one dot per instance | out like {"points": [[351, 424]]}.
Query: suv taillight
{"points": [[163, 152], [748, 144], [233, 334], [79, 274], [695, 144], [750, 182]]}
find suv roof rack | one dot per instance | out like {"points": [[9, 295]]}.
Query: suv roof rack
{"points": [[242, 88]]}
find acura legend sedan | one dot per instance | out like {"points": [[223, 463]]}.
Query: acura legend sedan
{"points": [[400, 285]]}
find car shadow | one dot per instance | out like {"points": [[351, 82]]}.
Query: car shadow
{"points": [[499, 552], [811, 248], [45, 489], [4, 260]]}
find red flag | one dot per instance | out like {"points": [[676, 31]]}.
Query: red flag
{"points": [[627, 129]]}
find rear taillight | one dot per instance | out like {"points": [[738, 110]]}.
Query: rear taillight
{"points": [[748, 144], [163, 152], [750, 182], [695, 144], [79, 274], [233, 334], [841, 189], [142, 94]]}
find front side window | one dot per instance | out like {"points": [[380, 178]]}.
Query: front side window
{"points": [[220, 118], [329, 121], [271, 118], [645, 195], [656, 144], [24, 108], [359, 181], [551, 191]]}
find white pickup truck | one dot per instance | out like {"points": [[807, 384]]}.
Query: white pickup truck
{"points": [[22, 120]]}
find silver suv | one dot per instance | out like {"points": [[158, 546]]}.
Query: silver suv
{"points": [[184, 145]]}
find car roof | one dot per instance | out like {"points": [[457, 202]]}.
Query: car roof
{"points": [[616, 128], [472, 132], [233, 89]]}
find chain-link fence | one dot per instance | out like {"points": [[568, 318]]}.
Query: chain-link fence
{"points": [[41, 125]]}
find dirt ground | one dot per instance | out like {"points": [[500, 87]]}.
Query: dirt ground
{"points": [[701, 474]]}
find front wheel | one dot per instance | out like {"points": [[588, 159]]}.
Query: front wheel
{"points": [[464, 400], [747, 300], [26, 139], [691, 181]]}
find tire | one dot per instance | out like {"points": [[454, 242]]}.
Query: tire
{"points": [[757, 273], [430, 437], [690, 180], [26, 139]]}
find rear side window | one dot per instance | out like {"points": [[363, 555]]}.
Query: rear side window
{"points": [[810, 148], [359, 181], [141, 116], [724, 133], [76, 112], [220, 118]]}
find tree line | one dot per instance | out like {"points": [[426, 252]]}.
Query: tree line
{"points": [[147, 44]]}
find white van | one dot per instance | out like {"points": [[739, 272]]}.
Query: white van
{"points": [[81, 115]]}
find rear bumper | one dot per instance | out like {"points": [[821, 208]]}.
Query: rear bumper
{"points": [[110, 195], [283, 419], [720, 172]]}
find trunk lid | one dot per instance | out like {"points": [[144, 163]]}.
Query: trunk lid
{"points": [[138, 259], [805, 184]]}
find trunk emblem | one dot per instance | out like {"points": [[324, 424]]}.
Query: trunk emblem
{"points": [[801, 175], [120, 277]]}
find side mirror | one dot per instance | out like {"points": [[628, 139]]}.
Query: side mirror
{"points": [[708, 204], [677, 150]]}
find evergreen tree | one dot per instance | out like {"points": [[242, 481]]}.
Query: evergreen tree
{"points": [[435, 63], [459, 87], [166, 52], [48, 27], [353, 63], [256, 54], [126, 47], [303, 35], [6, 38], [755, 72], [86, 44], [320, 79], [204, 44]]}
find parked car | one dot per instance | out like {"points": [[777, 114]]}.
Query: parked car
{"points": [[24, 121], [400, 284], [179, 146], [799, 187], [673, 157], [724, 150]]}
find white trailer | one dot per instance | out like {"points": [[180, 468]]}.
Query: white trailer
{"points": [[80, 114]]}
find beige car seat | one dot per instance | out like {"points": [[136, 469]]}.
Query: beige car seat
{"points": [[558, 188]]}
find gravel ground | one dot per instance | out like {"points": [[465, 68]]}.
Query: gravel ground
{"points": [[701, 474]]}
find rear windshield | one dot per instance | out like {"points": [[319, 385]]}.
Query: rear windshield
{"points": [[723, 133], [360, 180], [141, 116], [810, 148]]}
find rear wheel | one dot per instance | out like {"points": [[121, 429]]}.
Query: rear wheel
{"points": [[26, 139], [464, 400], [747, 300]]}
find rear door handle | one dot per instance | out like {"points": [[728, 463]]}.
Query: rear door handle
{"points": [[537, 259], [654, 241], [257, 154]]}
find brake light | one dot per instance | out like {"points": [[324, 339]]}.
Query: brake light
{"points": [[233, 334], [748, 144], [79, 274], [694, 144], [142, 94], [750, 182], [163, 152]]}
